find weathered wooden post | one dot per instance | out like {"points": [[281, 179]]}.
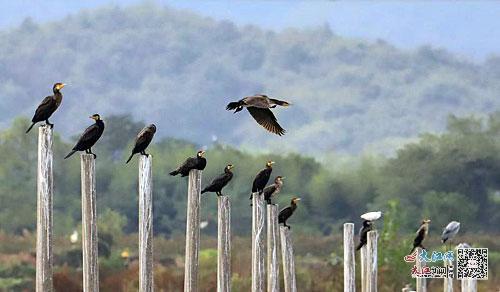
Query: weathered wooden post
{"points": [[258, 270], [192, 231], [421, 283], [288, 260], [372, 261], [448, 282], [469, 285], [44, 223], [273, 279], [224, 245], [364, 268], [89, 224], [146, 223], [349, 260]]}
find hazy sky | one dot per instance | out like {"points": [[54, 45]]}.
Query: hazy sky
{"points": [[469, 28]]}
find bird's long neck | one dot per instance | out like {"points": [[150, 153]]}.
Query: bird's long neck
{"points": [[293, 205], [227, 170], [58, 96], [100, 123]]}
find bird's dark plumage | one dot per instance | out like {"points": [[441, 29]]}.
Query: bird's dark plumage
{"points": [[48, 106], [89, 137], [286, 212], [421, 234], [259, 108], [142, 141], [220, 182], [199, 162], [262, 178], [273, 190], [363, 233]]}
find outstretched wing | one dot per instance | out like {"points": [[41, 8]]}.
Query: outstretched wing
{"points": [[266, 119]]}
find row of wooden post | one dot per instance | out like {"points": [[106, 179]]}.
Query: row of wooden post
{"points": [[44, 259]]}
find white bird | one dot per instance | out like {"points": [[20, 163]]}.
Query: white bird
{"points": [[372, 216], [463, 245], [450, 231], [73, 238]]}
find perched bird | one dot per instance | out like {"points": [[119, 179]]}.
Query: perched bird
{"points": [[89, 137], [421, 234], [199, 162], [48, 106], [273, 190], [363, 233], [450, 231], [220, 182], [372, 216], [286, 212], [261, 179], [142, 141], [259, 106]]}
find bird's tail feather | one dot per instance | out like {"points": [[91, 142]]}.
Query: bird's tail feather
{"points": [[234, 105], [360, 245], [130, 158], [173, 173], [31, 127], [204, 191], [280, 102], [69, 154]]}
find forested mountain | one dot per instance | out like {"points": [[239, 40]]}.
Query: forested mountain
{"points": [[179, 70]]}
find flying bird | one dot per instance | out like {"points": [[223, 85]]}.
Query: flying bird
{"points": [[142, 141], [286, 212], [273, 190], [48, 106], [261, 179], [89, 137], [450, 231], [199, 162], [363, 233], [220, 182], [259, 106], [421, 234]]}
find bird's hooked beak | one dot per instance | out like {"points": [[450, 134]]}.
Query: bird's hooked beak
{"points": [[230, 166]]}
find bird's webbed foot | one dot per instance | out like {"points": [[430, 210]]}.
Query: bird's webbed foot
{"points": [[49, 124], [144, 153]]}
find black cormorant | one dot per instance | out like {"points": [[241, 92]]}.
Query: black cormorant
{"points": [[89, 137], [363, 233], [220, 182], [273, 190], [199, 162], [261, 179], [142, 141], [48, 106], [421, 234], [285, 213], [259, 106]]}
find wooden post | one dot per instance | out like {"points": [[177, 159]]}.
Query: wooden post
{"points": [[364, 268], [421, 283], [273, 279], [44, 223], [146, 223], [258, 270], [349, 260], [288, 260], [465, 286], [89, 224], [448, 282], [224, 245], [192, 231], [472, 285], [371, 248]]}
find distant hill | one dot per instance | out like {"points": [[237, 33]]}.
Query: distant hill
{"points": [[179, 70]]}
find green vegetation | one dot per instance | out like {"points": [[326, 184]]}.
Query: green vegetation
{"points": [[348, 95], [451, 176]]}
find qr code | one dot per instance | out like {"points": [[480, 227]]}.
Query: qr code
{"points": [[472, 263]]}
